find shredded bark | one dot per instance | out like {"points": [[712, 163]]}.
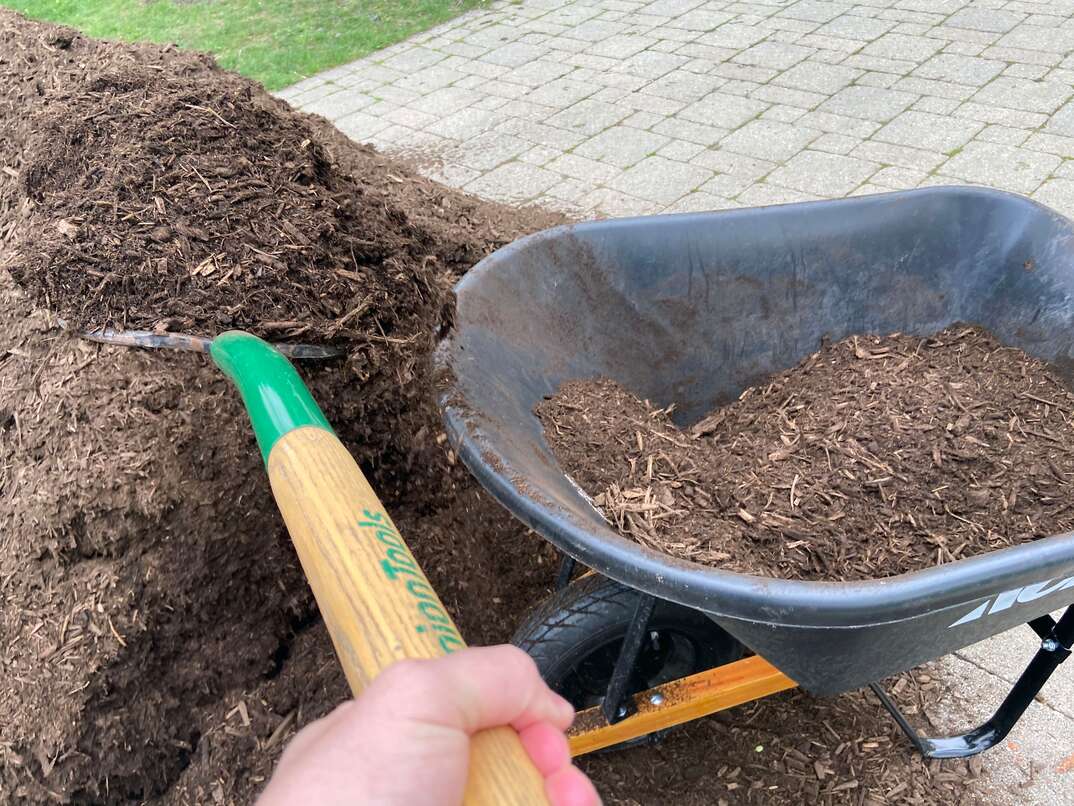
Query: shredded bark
{"points": [[873, 457]]}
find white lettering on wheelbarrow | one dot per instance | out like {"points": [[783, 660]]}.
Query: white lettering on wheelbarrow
{"points": [[1023, 595]]}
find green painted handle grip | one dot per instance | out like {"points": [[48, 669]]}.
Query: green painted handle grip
{"points": [[275, 397]]}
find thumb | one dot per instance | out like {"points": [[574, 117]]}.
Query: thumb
{"points": [[468, 691]]}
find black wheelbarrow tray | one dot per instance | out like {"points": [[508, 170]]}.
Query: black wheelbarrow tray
{"points": [[691, 309]]}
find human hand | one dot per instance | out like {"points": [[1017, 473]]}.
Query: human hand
{"points": [[406, 739]]}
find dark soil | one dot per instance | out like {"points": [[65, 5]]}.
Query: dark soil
{"points": [[157, 640], [144, 572], [873, 457]]}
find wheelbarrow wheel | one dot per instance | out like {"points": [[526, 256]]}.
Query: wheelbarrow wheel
{"points": [[575, 637]]}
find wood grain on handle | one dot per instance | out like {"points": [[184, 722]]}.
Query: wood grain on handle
{"points": [[376, 602]]}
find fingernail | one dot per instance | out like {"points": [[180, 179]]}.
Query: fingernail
{"points": [[564, 707]]}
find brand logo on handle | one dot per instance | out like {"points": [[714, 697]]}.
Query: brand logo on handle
{"points": [[1008, 599]]}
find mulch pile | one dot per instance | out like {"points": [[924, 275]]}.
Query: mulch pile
{"points": [[144, 572], [873, 457], [158, 642]]}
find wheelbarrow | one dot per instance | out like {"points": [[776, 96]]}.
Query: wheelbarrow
{"points": [[691, 309]]}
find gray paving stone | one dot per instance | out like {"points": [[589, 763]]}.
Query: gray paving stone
{"points": [[744, 72], [833, 46], [513, 183], [1062, 122], [835, 143], [485, 151], [561, 93], [699, 19], [831, 175], [700, 202], [788, 97], [621, 146], [981, 19], [680, 150], [540, 134], [338, 104], [539, 155], [937, 89], [997, 114], [769, 140], [951, 33], [743, 88], [652, 64], [1020, 93], [314, 94], [588, 117], [963, 48], [961, 69], [924, 130], [684, 87], [733, 35], [763, 195], [818, 78], [642, 119], [1001, 166], [937, 106], [898, 178], [726, 185], [1033, 72], [839, 124], [533, 74], [465, 124], [880, 72], [1023, 56], [306, 84], [414, 59], [1050, 143], [587, 171], [360, 126], [450, 174], [721, 110], [870, 103], [623, 45], [903, 156], [851, 26], [596, 30], [901, 46], [883, 72], [699, 133], [514, 54], [813, 11], [610, 202], [782, 114], [1034, 37], [776, 55], [1059, 195], [738, 165], [659, 179], [652, 104], [1004, 135]]}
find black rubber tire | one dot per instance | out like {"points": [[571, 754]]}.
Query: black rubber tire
{"points": [[574, 636]]}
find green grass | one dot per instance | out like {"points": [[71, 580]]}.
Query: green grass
{"points": [[277, 42]]}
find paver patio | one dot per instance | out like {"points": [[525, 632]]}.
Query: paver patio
{"points": [[617, 107], [622, 107]]}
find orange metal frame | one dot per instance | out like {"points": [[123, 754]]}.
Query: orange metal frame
{"points": [[680, 701]]}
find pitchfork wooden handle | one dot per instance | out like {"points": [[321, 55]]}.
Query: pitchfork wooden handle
{"points": [[378, 605]]}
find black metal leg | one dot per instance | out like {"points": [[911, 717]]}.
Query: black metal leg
{"points": [[566, 570], [1054, 649], [616, 705], [1043, 626]]}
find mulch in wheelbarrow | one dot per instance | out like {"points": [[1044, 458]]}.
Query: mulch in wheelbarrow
{"points": [[873, 457]]}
